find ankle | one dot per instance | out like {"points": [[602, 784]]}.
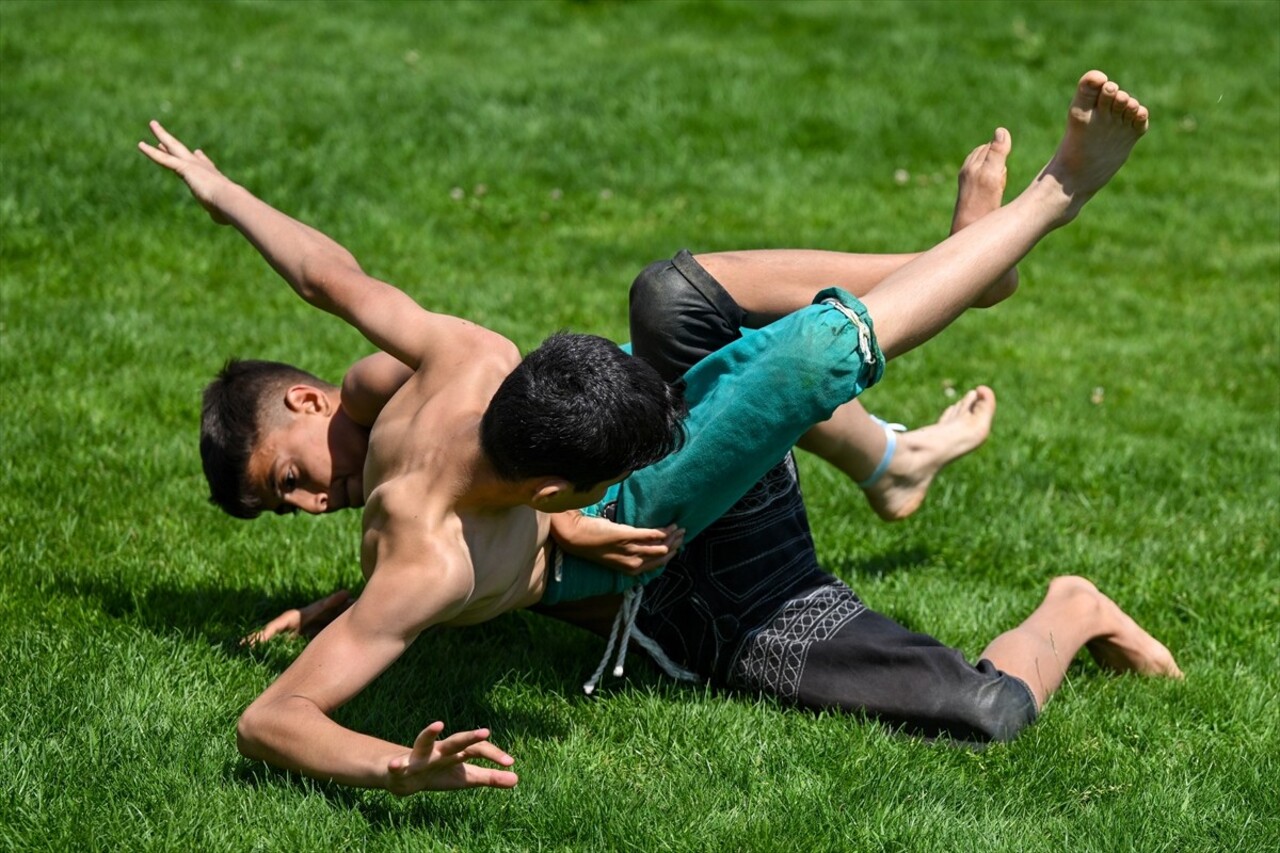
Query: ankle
{"points": [[1046, 202]]}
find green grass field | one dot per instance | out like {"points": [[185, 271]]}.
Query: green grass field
{"points": [[517, 164]]}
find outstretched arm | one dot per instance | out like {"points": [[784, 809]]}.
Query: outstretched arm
{"points": [[320, 270], [290, 725]]}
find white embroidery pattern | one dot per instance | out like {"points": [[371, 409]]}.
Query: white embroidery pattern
{"points": [[774, 658]]}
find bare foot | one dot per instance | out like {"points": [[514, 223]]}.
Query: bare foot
{"points": [[1103, 125], [1125, 646], [922, 453], [981, 190]]}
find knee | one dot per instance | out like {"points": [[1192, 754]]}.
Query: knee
{"points": [[822, 342], [672, 326], [1002, 709], [998, 292], [656, 300], [1078, 594]]}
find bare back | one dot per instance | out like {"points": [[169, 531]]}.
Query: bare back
{"points": [[420, 476]]}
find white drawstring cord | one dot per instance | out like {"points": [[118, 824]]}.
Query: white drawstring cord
{"points": [[864, 333], [667, 665], [625, 619]]}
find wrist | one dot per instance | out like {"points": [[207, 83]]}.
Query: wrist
{"points": [[563, 524]]}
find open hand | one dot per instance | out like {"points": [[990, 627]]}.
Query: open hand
{"points": [[305, 622], [441, 765], [202, 177]]}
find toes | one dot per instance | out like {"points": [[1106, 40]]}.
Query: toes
{"points": [[1107, 97], [1088, 90], [1000, 145], [975, 158], [1132, 113]]}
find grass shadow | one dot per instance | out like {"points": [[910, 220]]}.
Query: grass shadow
{"points": [[877, 566], [514, 655]]}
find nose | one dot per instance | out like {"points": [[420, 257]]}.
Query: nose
{"points": [[313, 503]]}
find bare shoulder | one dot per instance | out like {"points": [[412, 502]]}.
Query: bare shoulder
{"points": [[370, 383], [413, 545], [431, 423], [479, 359]]}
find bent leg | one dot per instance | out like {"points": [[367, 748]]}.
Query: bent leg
{"points": [[680, 313], [826, 649], [749, 402], [1073, 615], [771, 283], [747, 606]]}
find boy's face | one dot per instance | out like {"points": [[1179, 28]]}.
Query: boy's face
{"points": [[314, 462]]}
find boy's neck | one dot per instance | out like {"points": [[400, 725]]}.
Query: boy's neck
{"points": [[487, 491]]}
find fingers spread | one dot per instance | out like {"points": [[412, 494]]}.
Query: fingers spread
{"points": [[426, 738], [168, 140], [162, 157], [489, 752], [462, 740], [465, 746], [483, 777]]}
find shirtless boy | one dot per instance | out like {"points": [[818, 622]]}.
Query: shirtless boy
{"points": [[451, 533]]}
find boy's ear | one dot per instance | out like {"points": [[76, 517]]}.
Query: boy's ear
{"points": [[307, 400], [547, 489]]}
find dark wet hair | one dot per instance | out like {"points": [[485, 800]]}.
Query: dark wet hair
{"points": [[581, 409], [237, 411]]}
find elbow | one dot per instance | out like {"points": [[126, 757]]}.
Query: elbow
{"points": [[504, 349], [321, 273], [249, 734]]}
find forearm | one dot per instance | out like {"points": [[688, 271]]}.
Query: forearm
{"points": [[304, 257], [564, 527], [326, 275], [294, 734]]}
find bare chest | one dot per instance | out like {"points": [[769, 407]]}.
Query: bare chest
{"points": [[509, 554]]}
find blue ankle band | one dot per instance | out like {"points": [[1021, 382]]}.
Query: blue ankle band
{"points": [[890, 445]]}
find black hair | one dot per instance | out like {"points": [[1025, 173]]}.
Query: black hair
{"points": [[580, 409], [237, 412]]}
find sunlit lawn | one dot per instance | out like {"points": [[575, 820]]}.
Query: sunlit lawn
{"points": [[517, 164]]}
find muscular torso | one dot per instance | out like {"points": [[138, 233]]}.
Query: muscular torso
{"points": [[423, 494]]}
